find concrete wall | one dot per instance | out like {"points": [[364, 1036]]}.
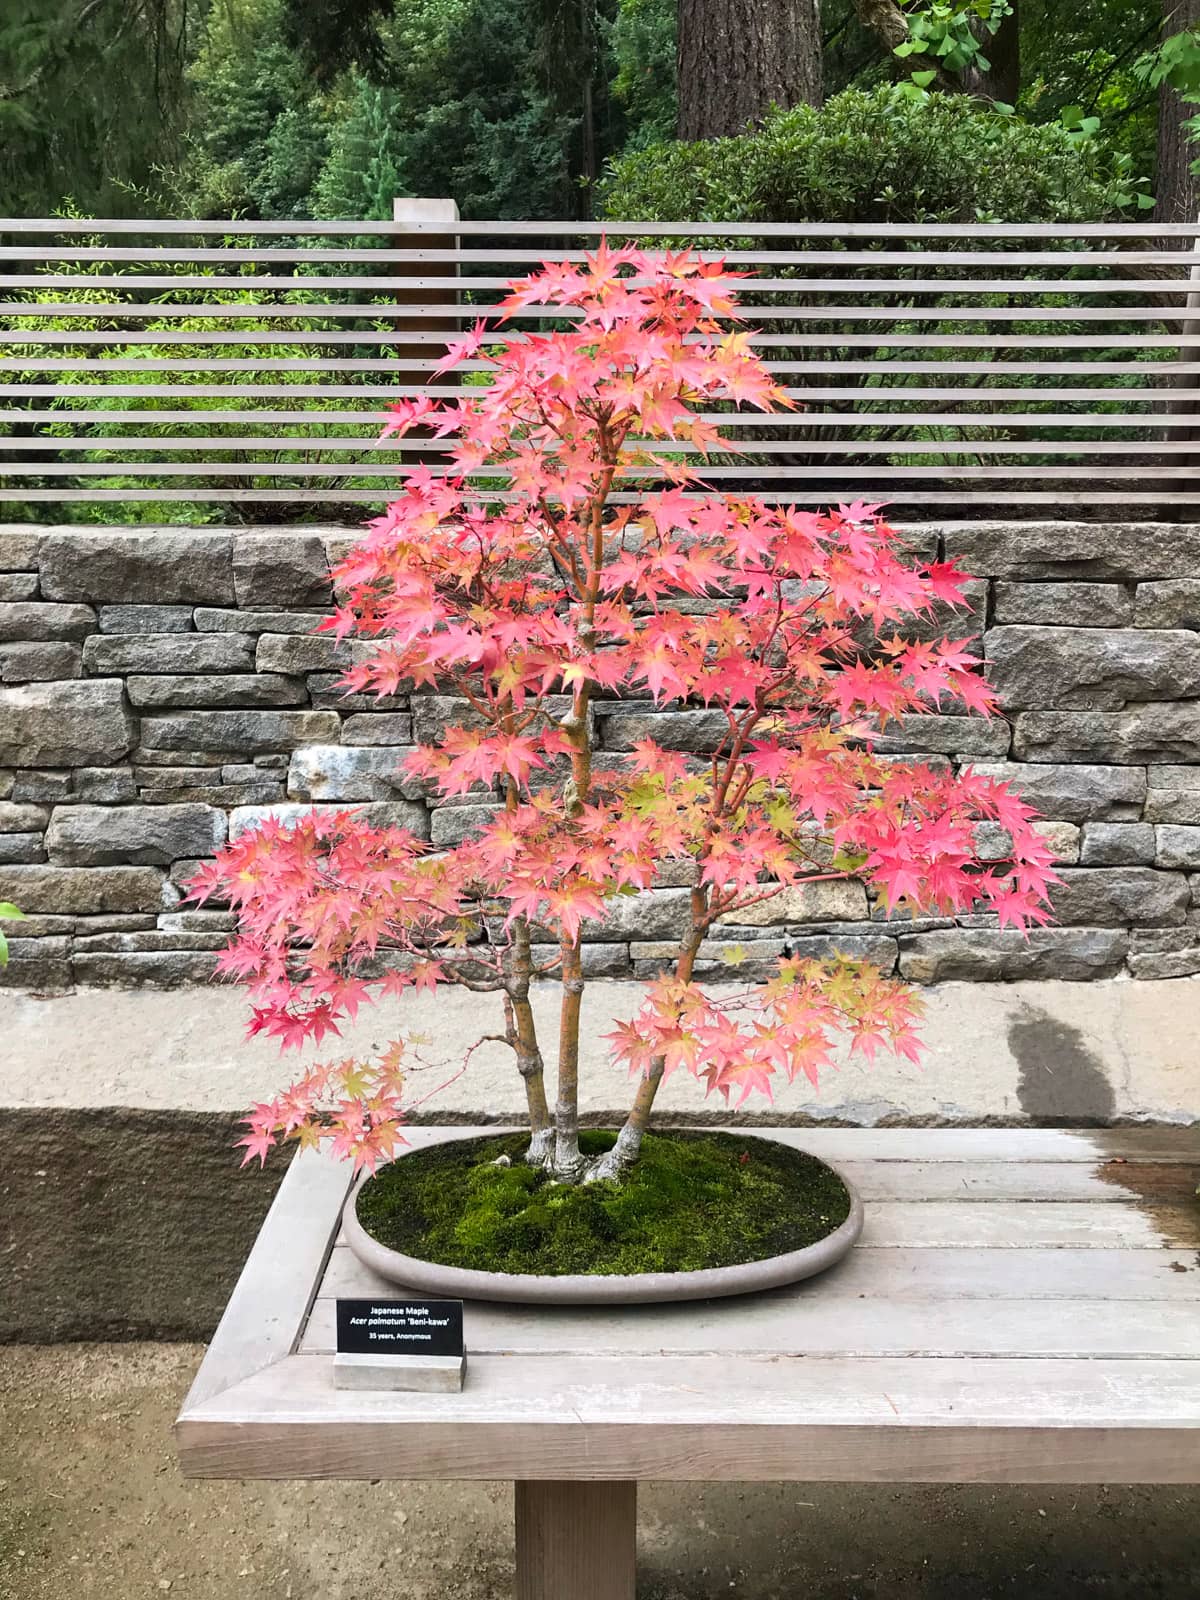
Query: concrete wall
{"points": [[159, 690]]}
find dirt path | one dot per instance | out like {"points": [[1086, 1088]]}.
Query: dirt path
{"points": [[91, 1504]]}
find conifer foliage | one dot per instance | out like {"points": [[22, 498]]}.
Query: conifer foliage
{"points": [[601, 574]]}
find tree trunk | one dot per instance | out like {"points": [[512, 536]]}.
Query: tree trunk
{"points": [[1002, 80], [738, 57], [1177, 190]]}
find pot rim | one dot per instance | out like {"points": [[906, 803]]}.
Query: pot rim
{"points": [[432, 1278]]}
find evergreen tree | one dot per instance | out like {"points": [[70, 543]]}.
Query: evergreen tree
{"points": [[363, 172]]}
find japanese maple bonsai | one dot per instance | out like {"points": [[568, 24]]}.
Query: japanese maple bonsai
{"points": [[535, 578]]}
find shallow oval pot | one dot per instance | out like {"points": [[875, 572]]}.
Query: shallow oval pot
{"points": [[463, 1283]]}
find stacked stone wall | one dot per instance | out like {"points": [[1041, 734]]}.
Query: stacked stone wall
{"points": [[160, 690]]}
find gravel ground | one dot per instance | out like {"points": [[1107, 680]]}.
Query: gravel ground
{"points": [[92, 1504]]}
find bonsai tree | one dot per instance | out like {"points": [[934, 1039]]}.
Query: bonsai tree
{"points": [[533, 579]]}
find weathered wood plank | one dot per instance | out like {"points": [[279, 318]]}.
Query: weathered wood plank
{"points": [[798, 1324], [980, 1274], [691, 1418], [268, 1307]]}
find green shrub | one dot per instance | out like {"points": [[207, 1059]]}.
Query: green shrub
{"points": [[881, 155]]}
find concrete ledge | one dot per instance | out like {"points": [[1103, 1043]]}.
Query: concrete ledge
{"points": [[1049, 1053]]}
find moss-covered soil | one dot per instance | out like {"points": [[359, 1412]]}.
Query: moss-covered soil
{"points": [[693, 1200]]}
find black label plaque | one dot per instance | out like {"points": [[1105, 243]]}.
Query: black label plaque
{"points": [[400, 1327]]}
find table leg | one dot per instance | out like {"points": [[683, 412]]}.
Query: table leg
{"points": [[576, 1541]]}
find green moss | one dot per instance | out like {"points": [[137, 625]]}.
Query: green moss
{"points": [[693, 1200]]}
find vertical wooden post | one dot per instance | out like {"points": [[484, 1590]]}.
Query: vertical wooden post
{"points": [[427, 224], [576, 1541]]}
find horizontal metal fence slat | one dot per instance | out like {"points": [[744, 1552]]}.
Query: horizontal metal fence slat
{"points": [[740, 474], [806, 418], [383, 311], [519, 229], [828, 496], [115, 444], [759, 341], [1096, 394], [1144, 229], [531, 259], [323, 282], [360, 445], [252, 364]]}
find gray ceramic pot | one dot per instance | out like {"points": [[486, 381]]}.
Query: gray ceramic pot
{"points": [[462, 1283]]}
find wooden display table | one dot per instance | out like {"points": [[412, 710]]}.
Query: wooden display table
{"points": [[1024, 1306]]}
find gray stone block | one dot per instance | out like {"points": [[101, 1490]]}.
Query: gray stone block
{"points": [[105, 786], [351, 772], [1164, 952], [217, 689], [22, 818], [987, 955], [1074, 605], [263, 793], [145, 619], [19, 849], [209, 619], [1170, 603], [194, 921], [327, 692], [36, 622], [379, 727], [168, 653], [298, 653], [157, 778], [816, 901], [1117, 844], [965, 737], [19, 546], [1090, 552], [40, 663], [157, 835], [81, 723], [408, 814], [599, 960], [433, 713], [1178, 846], [152, 566], [1174, 794], [1074, 793], [1091, 669], [242, 733], [450, 825], [159, 969], [281, 569], [1160, 732], [82, 891], [670, 730], [1113, 897], [41, 965], [152, 939], [653, 915], [18, 586], [40, 787]]}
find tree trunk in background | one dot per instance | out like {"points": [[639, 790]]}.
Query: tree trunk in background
{"points": [[1176, 189], [1002, 81], [737, 57]]}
